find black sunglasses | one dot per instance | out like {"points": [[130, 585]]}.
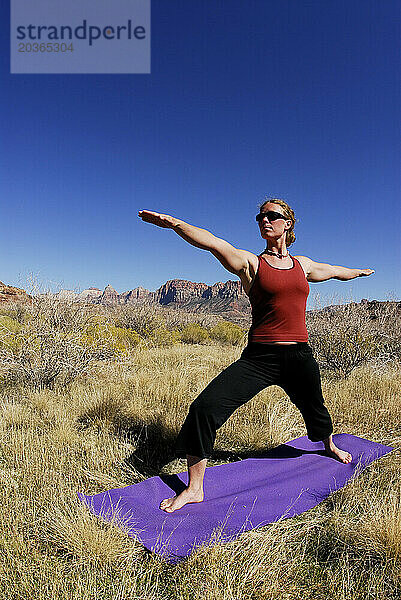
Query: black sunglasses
{"points": [[272, 215]]}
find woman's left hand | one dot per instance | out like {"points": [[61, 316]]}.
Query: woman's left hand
{"points": [[365, 272]]}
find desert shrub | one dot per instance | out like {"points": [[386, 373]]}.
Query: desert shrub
{"points": [[145, 317], [98, 332], [193, 333], [178, 318], [386, 326], [347, 336], [9, 328], [163, 337], [123, 339], [142, 318], [227, 333], [46, 358], [56, 343], [18, 311], [9, 325]]}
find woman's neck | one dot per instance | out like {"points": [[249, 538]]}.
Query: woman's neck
{"points": [[277, 248]]}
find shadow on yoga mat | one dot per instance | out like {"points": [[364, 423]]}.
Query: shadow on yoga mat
{"points": [[239, 496]]}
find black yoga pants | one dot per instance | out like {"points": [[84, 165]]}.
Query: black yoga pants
{"points": [[292, 367]]}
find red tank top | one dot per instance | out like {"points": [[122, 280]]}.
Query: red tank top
{"points": [[278, 300]]}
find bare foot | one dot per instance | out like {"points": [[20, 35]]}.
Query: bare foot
{"points": [[338, 454], [186, 497]]}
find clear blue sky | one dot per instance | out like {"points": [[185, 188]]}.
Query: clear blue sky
{"points": [[290, 98]]}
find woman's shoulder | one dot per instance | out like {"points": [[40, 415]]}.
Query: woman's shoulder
{"points": [[305, 263], [301, 259], [252, 259]]}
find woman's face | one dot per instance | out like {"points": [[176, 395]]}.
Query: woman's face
{"points": [[273, 229]]}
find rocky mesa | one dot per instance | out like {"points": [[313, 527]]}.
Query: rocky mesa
{"points": [[9, 293], [225, 298]]}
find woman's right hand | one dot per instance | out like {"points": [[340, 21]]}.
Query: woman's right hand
{"points": [[158, 219]]}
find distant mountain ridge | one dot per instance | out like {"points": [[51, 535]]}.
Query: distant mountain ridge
{"points": [[175, 290], [9, 293], [226, 298]]}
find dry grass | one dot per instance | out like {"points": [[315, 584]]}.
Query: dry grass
{"points": [[118, 426]]}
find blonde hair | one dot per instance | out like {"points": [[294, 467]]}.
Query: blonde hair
{"points": [[288, 213]]}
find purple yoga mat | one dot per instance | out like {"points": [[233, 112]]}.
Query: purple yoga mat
{"points": [[239, 496]]}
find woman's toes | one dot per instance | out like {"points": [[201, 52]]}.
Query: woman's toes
{"points": [[166, 502], [346, 457], [341, 455]]}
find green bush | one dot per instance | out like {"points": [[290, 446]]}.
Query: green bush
{"points": [[163, 337], [193, 333], [18, 311], [117, 340], [227, 333], [9, 328]]}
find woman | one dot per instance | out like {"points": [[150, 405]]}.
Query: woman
{"points": [[277, 352]]}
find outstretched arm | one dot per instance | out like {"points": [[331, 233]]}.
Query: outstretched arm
{"points": [[322, 272], [233, 259]]}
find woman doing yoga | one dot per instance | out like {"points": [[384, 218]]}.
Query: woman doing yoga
{"points": [[277, 352]]}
